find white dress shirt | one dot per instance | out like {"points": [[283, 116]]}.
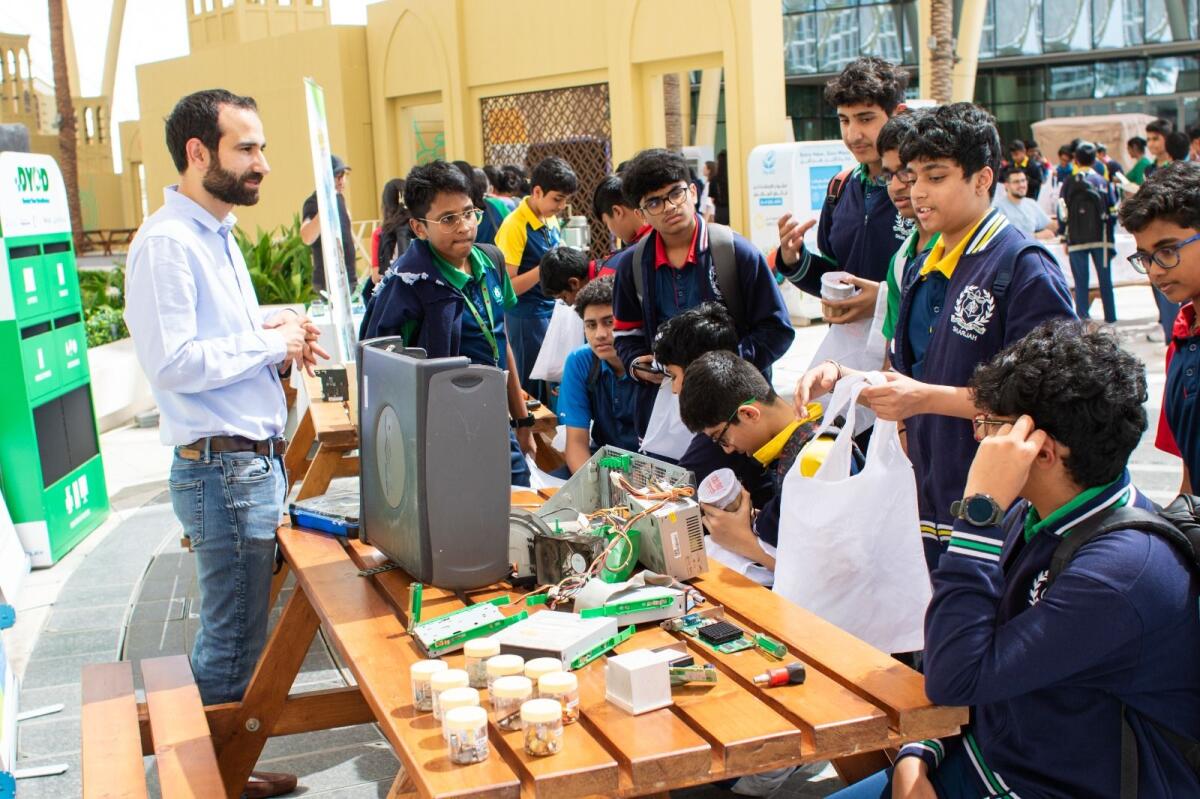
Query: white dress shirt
{"points": [[197, 327]]}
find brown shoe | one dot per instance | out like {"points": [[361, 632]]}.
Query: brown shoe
{"points": [[263, 784]]}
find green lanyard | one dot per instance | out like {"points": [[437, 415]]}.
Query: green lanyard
{"points": [[485, 329]]}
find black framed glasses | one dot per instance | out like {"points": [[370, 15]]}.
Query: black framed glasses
{"points": [[719, 438], [656, 205], [451, 221], [906, 176], [985, 425], [1167, 257]]}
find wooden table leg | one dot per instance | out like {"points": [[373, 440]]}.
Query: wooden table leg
{"points": [[239, 749], [854, 768], [297, 451], [403, 787], [320, 472]]}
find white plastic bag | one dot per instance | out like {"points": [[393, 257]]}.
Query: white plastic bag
{"points": [[859, 345], [666, 434], [539, 479], [563, 336], [850, 545]]}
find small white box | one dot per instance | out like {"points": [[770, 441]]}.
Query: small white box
{"points": [[638, 681]]}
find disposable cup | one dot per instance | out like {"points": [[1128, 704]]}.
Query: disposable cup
{"points": [[721, 488]]}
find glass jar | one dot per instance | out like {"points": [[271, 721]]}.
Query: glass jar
{"points": [[466, 729], [444, 681], [503, 666], [542, 719], [452, 698], [562, 686], [508, 694], [476, 652], [419, 673], [535, 668]]}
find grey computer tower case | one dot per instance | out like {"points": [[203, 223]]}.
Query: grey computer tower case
{"points": [[435, 465]]}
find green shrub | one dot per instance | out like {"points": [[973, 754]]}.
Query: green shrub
{"points": [[280, 264], [104, 324], [102, 295]]}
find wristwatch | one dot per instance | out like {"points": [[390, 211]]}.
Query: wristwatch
{"points": [[519, 423], [979, 510]]}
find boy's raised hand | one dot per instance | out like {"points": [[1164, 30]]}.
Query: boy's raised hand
{"points": [[1002, 463], [791, 237]]}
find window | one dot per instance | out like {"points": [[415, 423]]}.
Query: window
{"points": [[800, 44], [1066, 26], [1170, 20], [1117, 23], [1120, 78], [1017, 28], [1172, 75], [879, 28], [837, 38]]}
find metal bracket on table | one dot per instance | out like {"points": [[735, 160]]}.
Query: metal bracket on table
{"points": [[371, 572]]}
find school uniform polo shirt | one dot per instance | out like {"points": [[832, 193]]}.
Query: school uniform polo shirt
{"points": [[609, 406], [969, 327], [900, 259], [524, 238], [675, 287], [1179, 422]]}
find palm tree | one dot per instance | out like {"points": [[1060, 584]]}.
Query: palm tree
{"points": [[67, 160], [941, 54]]}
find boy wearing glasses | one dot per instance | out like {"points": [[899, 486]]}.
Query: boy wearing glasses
{"points": [[1164, 218], [524, 237], [676, 267], [859, 227], [448, 295], [1081, 676], [981, 287]]}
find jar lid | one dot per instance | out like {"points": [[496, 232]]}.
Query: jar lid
{"points": [[458, 697], [539, 666], [450, 678], [537, 711], [556, 682], [514, 686], [500, 665], [465, 718], [481, 647], [424, 668]]}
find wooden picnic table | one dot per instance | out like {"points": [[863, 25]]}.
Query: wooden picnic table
{"points": [[107, 238], [856, 699]]}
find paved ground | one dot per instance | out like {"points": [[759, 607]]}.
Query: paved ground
{"points": [[129, 592]]}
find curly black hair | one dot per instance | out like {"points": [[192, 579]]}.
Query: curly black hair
{"points": [[597, 292], [427, 181], [651, 170], [961, 132], [554, 174], [559, 265], [715, 385], [684, 338], [868, 80], [894, 131], [1171, 193], [1077, 384]]}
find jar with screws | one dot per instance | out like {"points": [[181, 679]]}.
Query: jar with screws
{"points": [[542, 719], [508, 694], [444, 681], [563, 687], [535, 668], [466, 729], [452, 698], [476, 652], [503, 666], [419, 673]]}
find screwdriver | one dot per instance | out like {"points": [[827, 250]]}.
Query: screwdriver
{"points": [[791, 674]]}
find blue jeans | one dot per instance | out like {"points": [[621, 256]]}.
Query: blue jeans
{"points": [[1081, 261], [951, 780], [519, 470], [1167, 311], [229, 504]]}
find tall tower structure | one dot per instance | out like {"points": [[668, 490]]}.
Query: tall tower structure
{"points": [[215, 22]]}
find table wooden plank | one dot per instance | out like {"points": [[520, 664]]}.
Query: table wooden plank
{"points": [[183, 750], [112, 746], [370, 639], [582, 768], [855, 664]]}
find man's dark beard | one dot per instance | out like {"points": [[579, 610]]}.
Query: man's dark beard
{"points": [[230, 188]]}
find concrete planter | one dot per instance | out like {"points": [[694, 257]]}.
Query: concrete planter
{"points": [[119, 388]]}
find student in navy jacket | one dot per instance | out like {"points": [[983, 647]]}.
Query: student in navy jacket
{"points": [[448, 296], [860, 230], [1046, 667], [678, 270], [981, 287]]}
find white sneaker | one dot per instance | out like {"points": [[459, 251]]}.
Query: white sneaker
{"points": [[764, 783]]}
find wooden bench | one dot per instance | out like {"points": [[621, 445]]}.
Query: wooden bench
{"points": [[180, 739], [107, 238]]}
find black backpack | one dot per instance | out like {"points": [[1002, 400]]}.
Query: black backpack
{"points": [[1087, 211], [720, 239], [1178, 523]]}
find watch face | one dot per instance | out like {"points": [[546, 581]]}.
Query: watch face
{"points": [[979, 510]]}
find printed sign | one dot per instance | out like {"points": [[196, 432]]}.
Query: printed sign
{"points": [[34, 199]]}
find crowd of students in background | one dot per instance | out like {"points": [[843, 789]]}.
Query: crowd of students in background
{"points": [[1018, 416]]}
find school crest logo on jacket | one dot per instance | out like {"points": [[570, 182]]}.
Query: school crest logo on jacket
{"points": [[973, 310], [903, 227], [1039, 587]]}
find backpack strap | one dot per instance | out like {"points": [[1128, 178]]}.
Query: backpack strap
{"points": [[833, 191], [1126, 518], [639, 280], [720, 243], [493, 252], [1004, 276]]}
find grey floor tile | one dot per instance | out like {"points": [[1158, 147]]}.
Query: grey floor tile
{"points": [[158, 612], [88, 618], [47, 672], [62, 786], [155, 640], [364, 790], [339, 738], [95, 595], [77, 642], [338, 768], [66, 695], [178, 586], [49, 737]]}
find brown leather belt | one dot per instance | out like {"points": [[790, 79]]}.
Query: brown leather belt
{"points": [[195, 450]]}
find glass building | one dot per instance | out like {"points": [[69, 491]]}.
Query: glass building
{"points": [[1038, 58]]}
